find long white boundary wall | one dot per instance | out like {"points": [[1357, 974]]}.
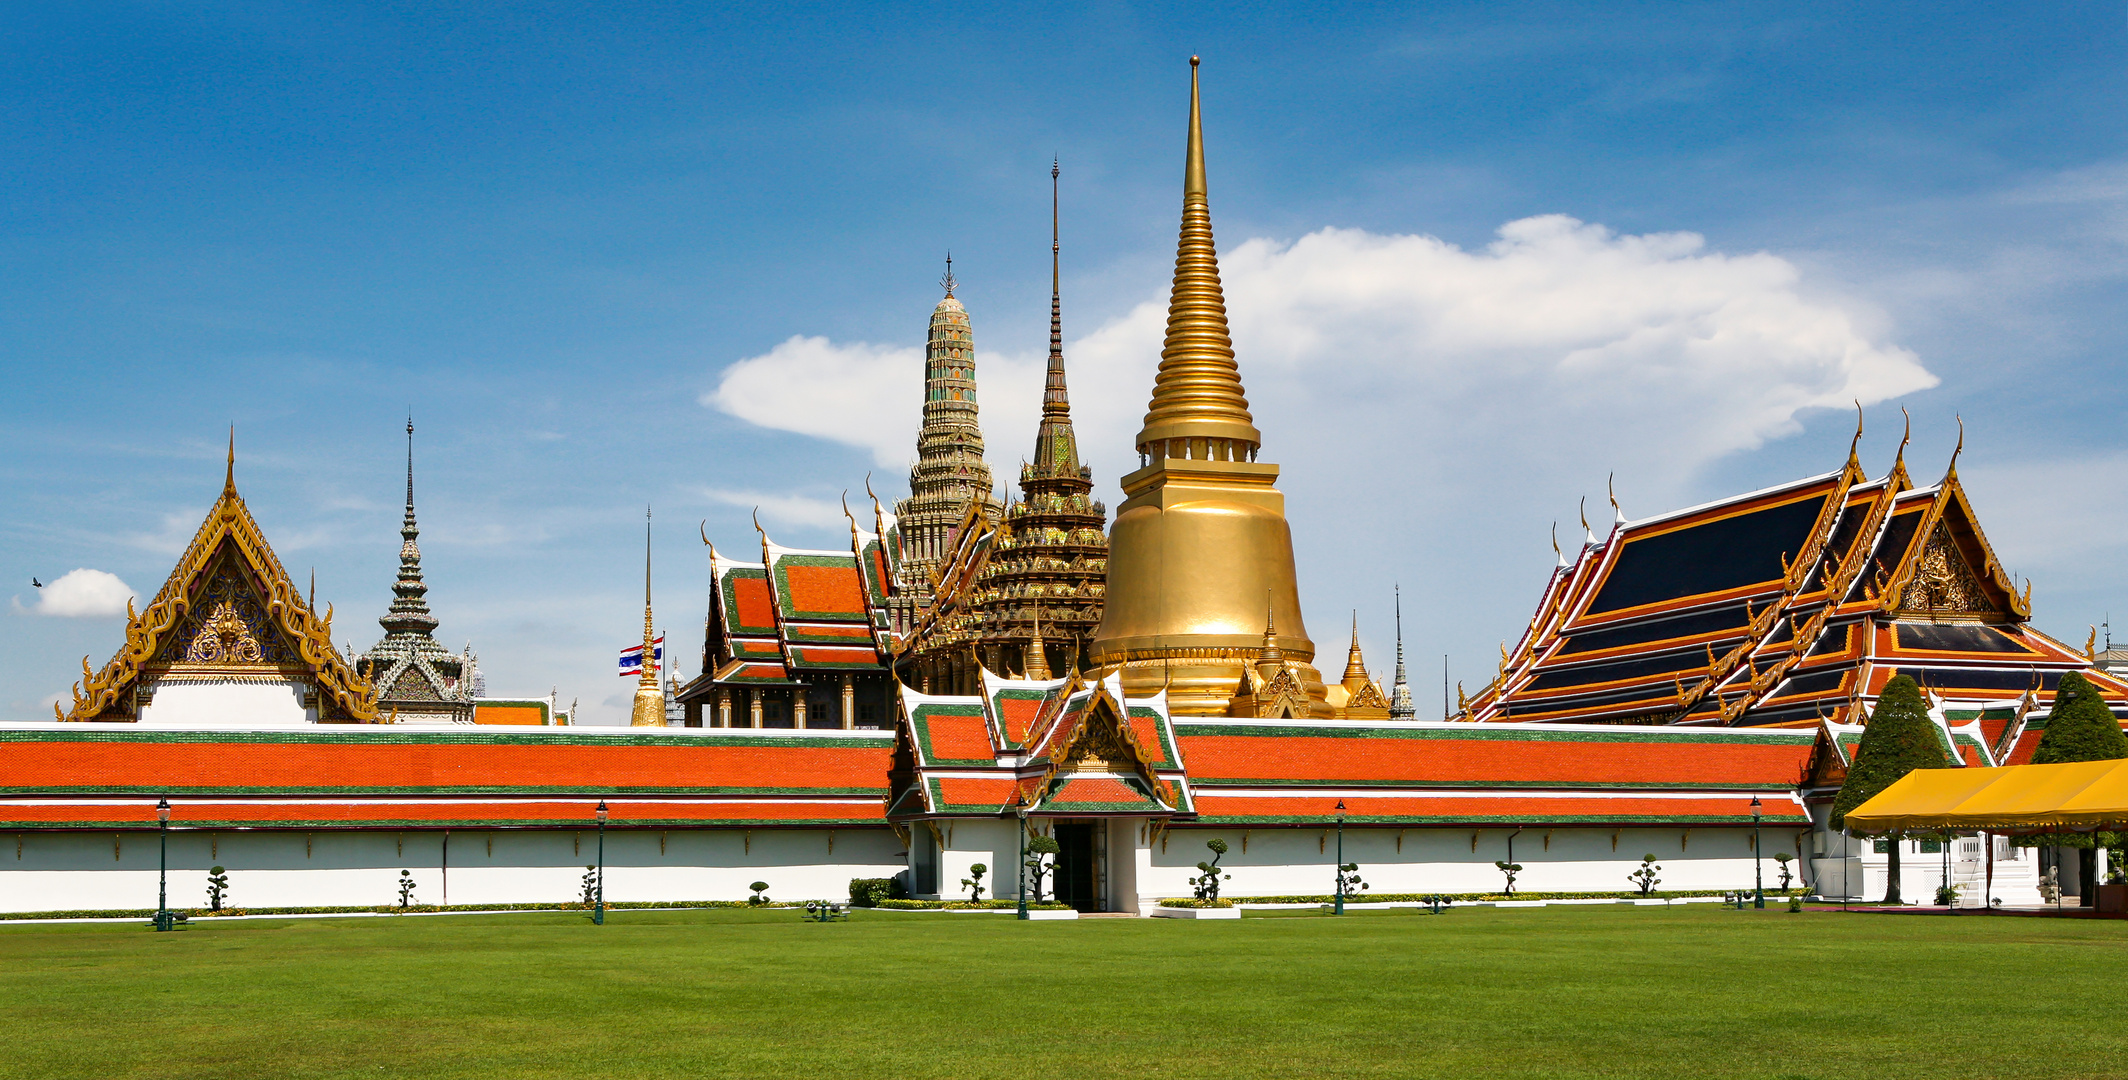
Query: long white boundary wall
{"points": [[53, 871], [1145, 865]]}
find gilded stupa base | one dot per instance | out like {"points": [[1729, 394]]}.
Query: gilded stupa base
{"points": [[649, 710]]}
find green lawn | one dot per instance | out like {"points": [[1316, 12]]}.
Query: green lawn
{"points": [[1679, 993]]}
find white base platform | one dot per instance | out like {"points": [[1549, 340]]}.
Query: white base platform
{"points": [[1196, 913]]}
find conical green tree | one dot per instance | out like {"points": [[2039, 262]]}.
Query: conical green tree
{"points": [[2082, 728], [1897, 739]]}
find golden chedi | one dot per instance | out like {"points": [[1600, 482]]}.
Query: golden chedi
{"points": [[1200, 543]]}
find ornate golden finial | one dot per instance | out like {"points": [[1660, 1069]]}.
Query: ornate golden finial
{"points": [[1270, 656], [947, 282], [2091, 645], [1355, 664], [229, 474], [1198, 393], [1900, 458], [1036, 665], [1852, 460], [1555, 544], [1618, 517], [1952, 472]]}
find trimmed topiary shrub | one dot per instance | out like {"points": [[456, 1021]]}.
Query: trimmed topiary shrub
{"points": [[1644, 878], [1206, 883], [1041, 862]]}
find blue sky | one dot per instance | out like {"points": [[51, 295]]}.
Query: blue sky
{"points": [[1480, 258]]}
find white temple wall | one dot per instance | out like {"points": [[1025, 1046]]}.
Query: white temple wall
{"points": [[994, 842], [236, 700], [360, 868], [1300, 861]]}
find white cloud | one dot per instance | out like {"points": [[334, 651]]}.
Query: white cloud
{"points": [[84, 593], [869, 396], [1558, 333], [784, 508]]}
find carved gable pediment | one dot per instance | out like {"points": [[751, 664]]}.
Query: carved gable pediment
{"points": [[227, 603], [1368, 696], [226, 625], [1944, 583]]}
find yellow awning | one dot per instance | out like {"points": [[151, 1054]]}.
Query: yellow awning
{"points": [[2077, 797]]}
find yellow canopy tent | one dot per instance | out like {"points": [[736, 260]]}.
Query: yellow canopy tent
{"points": [[2080, 796]]}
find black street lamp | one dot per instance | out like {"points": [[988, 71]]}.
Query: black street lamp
{"points": [[1758, 874], [1019, 799], [1340, 909], [598, 910], [163, 921]]}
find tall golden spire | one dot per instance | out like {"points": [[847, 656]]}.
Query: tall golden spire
{"points": [[1201, 538], [649, 708], [1198, 394]]}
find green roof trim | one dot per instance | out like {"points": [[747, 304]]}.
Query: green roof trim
{"points": [[919, 721]]}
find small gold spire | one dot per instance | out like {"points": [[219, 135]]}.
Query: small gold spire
{"points": [[229, 475], [649, 710], [1355, 664], [1198, 392], [1271, 657], [1036, 666]]}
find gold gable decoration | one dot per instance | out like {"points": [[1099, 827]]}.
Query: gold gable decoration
{"points": [[1949, 570], [208, 593], [1101, 739]]}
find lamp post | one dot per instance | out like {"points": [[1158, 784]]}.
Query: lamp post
{"points": [[1758, 873], [1340, 899], [1019, 799], [162, 873], [598, 910]]}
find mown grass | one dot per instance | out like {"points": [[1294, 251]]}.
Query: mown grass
{"points": [[1681, 992]]}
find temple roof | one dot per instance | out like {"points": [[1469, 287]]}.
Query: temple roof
{"points": [[228, 609], [1781, 606], [797, 613], [384, 777], [1065, 747]]}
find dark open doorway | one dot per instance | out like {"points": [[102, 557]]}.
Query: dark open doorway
{"points": [[1078, 880]]}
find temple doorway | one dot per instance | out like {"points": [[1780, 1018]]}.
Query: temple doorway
{"points": [[1079, 854]]}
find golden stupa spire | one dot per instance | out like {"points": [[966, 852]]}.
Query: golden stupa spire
{"points": [[1197, 395], [1201, 541], [649, 708]]}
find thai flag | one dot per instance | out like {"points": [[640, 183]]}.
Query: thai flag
{"points": [[632, 659]]}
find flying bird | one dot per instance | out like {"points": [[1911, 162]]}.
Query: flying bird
{"points": [[36, 584]]}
